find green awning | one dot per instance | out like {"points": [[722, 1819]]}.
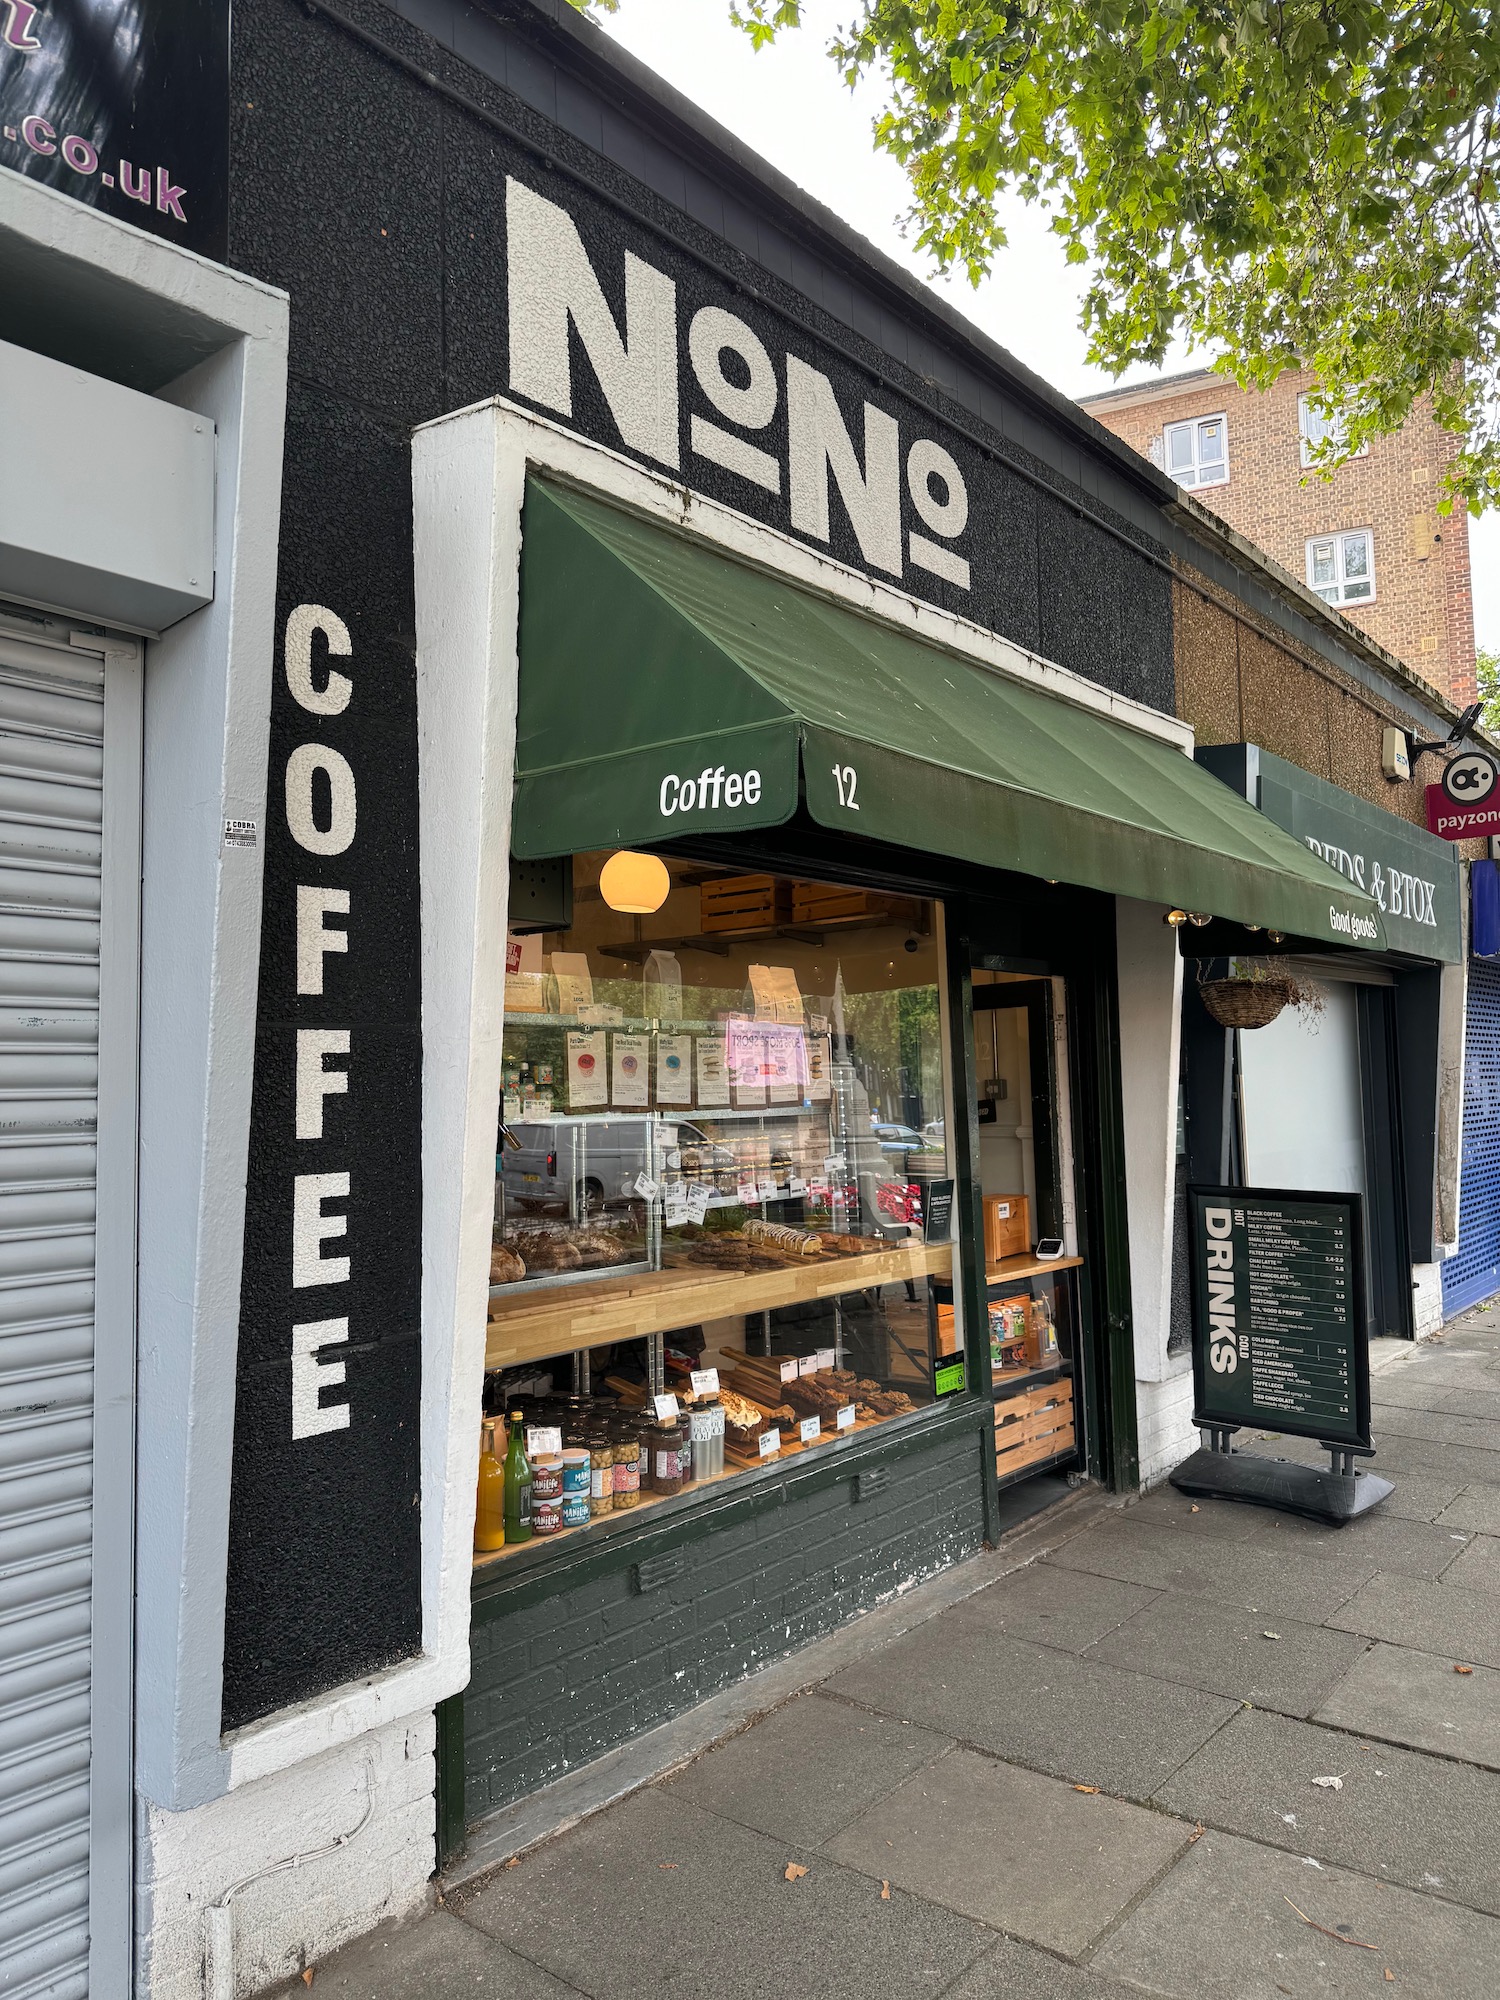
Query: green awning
{"points": [[668, 690]]}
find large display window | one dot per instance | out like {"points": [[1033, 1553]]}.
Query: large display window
{"points": [[723, 1191]]}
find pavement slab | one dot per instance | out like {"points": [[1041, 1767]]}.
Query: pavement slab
{"points": [[1046, 1606], [439, 1958], [1442, 1427], [1222, 1926], [1165, 1507], [1403, 1817], [1408, 1389], [1022, 1853], [1419, 1496], [1416, 1698], [1225, 1650], [1477, 1564], [1476, 1507], [1015, 1971], [1082, 1720], [1468, 1400], [1398, 1454], [1385, 1541], [1234, 1572], [656, 1897], [806, 1770], [1432, 1617]]}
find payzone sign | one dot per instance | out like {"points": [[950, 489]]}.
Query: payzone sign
{"points": [[124, 105]]}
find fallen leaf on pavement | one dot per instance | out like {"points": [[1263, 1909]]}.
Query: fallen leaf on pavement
{"points": [[307, 1975], [666, 1864], [1337, 1936], [795, 1871], [1196, 1834], [1086, 1788], [885, 1892], [1390, 1975], [1194, 1508], [514, 1861], [1463, 1670]]}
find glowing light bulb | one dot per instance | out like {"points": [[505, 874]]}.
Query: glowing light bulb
{"points": [[635, 884]]}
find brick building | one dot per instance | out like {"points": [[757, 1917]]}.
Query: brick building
{"points": [[1369, 539]]}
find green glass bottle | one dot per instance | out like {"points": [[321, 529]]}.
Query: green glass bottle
{"points": [[517, 1484]]}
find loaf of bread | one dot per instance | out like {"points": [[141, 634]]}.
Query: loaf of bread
{"points": [[506, 1268]]}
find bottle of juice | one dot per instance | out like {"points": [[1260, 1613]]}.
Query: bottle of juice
{"points": [[517, 1484], [489, 1511]]}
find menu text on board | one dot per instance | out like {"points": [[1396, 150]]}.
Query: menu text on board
{"points": [[1278, 1317]]}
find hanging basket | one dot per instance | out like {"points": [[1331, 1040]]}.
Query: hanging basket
{"points": [[1246, 1003]]}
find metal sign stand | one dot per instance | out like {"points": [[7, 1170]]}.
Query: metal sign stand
{"points": [[1336, 1496]]}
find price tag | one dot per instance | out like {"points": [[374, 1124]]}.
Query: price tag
{"points": [[674, 1209], [705, 1381], [767, 1191], [770, 1443], [796, 1187], [826, 1357], [699, 1195], [647, 1188], [789, 1370], [844, 1418], [807, 1364], [543, 1441], [834, 1165], [666, 1408], [818, 1192], [809, 1429], [749, 1193]]}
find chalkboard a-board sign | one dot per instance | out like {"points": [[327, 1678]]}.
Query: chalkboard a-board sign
{"points": [[1278, 1313]]}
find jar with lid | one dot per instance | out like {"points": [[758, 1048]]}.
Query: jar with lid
{"points": [[627, 1467], [601, 1450], [670, 1457]]}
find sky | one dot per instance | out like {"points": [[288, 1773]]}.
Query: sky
{"points": [[788, 102]]}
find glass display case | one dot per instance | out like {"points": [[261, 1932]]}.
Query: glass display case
{"points": [[722, 1169]]}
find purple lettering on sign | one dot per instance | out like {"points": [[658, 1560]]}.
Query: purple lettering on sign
{"points": [[38, 134], [139, 189], [16, 34], [79, 154], [167, 195]]}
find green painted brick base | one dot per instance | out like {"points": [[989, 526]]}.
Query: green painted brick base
{"points": [[571, 1657]]}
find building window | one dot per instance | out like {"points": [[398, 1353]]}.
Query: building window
{"points": [[1315, 428], [1197, 452], [1341, 568]]}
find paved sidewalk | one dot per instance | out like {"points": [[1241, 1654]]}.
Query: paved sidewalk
{"points": [[1095, 1777]]}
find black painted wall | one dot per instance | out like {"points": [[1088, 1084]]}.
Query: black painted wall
{"points": [[379, 204]]}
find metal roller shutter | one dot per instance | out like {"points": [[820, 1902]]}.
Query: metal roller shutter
{"points": [[1474, 1274], [51, 799]]}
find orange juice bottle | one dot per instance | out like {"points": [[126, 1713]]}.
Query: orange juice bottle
{"points": [[489, 1511]]}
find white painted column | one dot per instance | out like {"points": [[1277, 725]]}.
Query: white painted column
{"points": [[1150, 1001]]}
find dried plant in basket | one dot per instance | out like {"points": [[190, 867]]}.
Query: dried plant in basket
{"points": [[1256, 991]]}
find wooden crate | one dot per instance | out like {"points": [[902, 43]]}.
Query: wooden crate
{"points": [[834, 902], [744, 903], [1007, 1226], [1033, 1427]]}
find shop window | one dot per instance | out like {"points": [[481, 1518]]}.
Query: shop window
{"points": [[1197, 452], [723, 1176], [1316, 428], [1341, 568]]}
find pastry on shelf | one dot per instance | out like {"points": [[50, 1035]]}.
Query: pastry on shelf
{"points": [[544, 1253], [506, 1268]]}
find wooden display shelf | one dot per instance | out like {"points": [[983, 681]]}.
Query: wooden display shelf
{"points": [[1010, 1268], [734, 1465], [532, 1325], [1034, 1427]]}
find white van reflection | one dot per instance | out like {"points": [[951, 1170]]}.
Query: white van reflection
{"points": [[578, 1166]]}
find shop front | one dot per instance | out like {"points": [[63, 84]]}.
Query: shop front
{"points": [[780, 919], [1352, 1088]]}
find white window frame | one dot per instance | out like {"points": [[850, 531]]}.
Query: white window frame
{"points": [[1312, 429], [1196, 474], [1337, 593]]}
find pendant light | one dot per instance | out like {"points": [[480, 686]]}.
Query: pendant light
{"points": [[635, 884]]}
